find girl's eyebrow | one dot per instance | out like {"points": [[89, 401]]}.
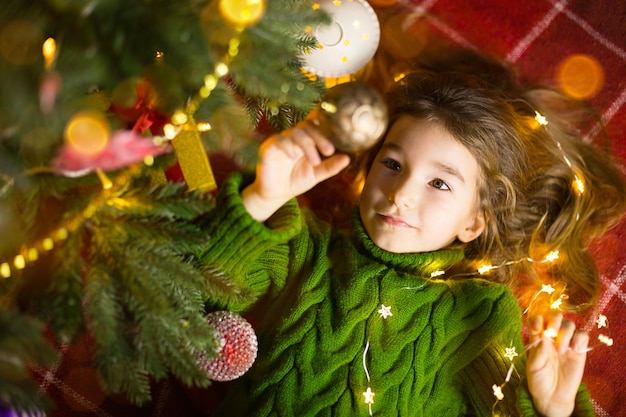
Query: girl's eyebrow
{"points": [[449, 169], [391, 146]]}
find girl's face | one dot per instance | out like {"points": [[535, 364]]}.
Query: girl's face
{"points": [[421, 193]]}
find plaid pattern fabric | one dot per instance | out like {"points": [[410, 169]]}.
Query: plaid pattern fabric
{"points": [[537, 36]]}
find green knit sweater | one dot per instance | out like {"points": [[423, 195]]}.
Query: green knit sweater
{"points": [[323, 339]]}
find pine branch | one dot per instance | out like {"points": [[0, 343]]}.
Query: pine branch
{"points": [[122, 268], [21, 344]]}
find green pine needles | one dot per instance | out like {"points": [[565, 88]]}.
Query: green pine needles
{"points": [[114, 265]]}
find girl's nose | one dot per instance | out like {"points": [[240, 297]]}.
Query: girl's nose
{"points": [[404, 194]]}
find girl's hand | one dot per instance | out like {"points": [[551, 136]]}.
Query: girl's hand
{"points": [[289, 165], [556, 363]]}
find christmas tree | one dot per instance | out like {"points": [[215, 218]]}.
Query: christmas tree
{"points": [[100, 99]]}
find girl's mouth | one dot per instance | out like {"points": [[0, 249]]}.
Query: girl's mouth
{"points": [[395, 221]]}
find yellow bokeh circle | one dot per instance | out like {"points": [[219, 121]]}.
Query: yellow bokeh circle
{"points": [[88, 132], [20, 42], [242, 12], [580, 76]]}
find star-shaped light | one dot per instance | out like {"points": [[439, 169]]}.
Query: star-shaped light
{"points": [[510, 353], [385, 311], [497, 391], [605, 339], [437, 273], [556, 304], [552, 256], [602, 321], [547, 288], [550, 333], [541, 119], [369, 396]]}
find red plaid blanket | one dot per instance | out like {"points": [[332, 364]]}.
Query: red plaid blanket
{"points": [[551, 42]]}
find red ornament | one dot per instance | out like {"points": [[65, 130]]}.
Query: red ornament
{"points": [[237, 346]]}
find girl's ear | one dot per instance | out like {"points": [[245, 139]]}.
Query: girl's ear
{"points": [[474, 229]]}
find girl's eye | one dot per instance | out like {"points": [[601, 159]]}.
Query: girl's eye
{"points": [[440, 184], [391, 164]]}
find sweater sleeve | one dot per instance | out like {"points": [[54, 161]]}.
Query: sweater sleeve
{"points": [[501, 364], [583, 407], [493, 321], [237, 241]]}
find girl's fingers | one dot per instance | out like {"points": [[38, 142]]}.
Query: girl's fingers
{"points": [[565, 335], [563, 332], [305, 139], [331, 166], [580, 341], [285, 143], [324, 145]]}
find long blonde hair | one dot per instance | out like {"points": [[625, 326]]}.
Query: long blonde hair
{"points": [[543, 188]]}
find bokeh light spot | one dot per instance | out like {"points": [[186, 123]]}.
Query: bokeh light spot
{"points": [[88, 132], [242, 12], [20, 42], [580, 76]]}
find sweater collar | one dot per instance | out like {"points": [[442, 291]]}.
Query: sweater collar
{"points": [[422, 264]]}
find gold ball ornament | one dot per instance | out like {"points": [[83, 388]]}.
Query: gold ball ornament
{"points": [[242, 13], [348, 43], [353, 116]]}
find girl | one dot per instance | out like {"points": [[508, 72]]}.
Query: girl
{"points": [[372, 320]]}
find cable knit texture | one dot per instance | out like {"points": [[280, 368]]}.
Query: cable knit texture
{"points": [[321, 334]]}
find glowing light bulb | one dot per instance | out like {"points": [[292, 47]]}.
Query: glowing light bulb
{"points": [[497, 391], [49, 50], [61, 234], [369, 396], [5, 270], [32, 254], [148, 160], [169, 131], [221, 69], [556, 305], [579, 185], [47, 243], [541, 119], [552, 256], [485, 268], [204, 126], [179, 118], [605, 339], [385, 311], [19, 262], [511, 353], [550, 333], [106, 182]]}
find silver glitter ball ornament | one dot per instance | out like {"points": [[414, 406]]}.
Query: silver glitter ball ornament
{"points": [[237, 346]]}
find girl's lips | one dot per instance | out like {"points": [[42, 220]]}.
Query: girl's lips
{"points": [[395, 221]]}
